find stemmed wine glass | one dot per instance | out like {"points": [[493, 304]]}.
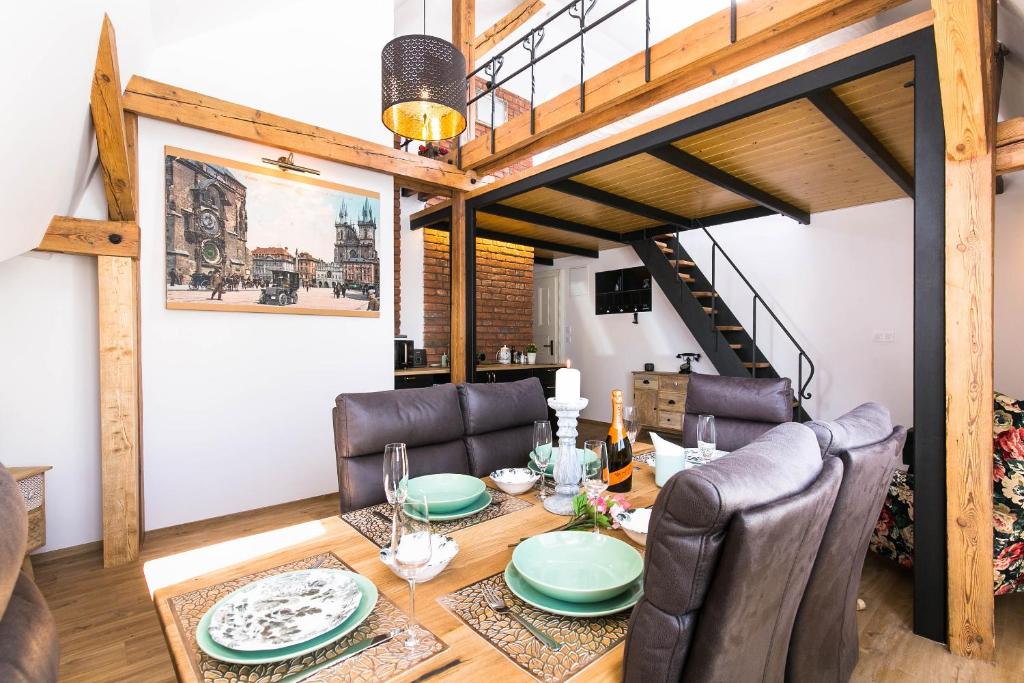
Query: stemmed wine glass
{"points": [[632, 423], [396, 481], [595, 473], [411, 546], [706, 437], [542, 452]]}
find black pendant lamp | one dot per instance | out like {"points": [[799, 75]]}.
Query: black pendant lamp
{"points": [[423, 87]]}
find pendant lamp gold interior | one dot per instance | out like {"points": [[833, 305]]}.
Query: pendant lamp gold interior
{"points": [[423, 88]]}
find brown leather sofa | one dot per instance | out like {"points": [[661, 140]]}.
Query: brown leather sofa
{"points": [[729, 550], [824, 646], [468, 429], [28, 635], [744, 407]]}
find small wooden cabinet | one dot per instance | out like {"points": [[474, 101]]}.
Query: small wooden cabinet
{"points": [[658, 399]]}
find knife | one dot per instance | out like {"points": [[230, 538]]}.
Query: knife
{"points": [[349, 652]]}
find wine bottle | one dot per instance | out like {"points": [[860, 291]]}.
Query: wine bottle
{"points": [[620, 452]]}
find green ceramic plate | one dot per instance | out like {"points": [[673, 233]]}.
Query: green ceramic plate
{"points": [[588, 456], [531, 596], [577, 566], [446, 492], [207, 644], [482, 501]]}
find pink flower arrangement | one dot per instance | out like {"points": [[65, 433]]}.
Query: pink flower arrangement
{"points": [[604, 510]]}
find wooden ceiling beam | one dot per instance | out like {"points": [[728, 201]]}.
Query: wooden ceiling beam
{"points": [[504, 27], [1010, 145], [535, 218], [694, 56], [598, 196], [68, 235], [836, 111], [184, 107], [702, 169]]}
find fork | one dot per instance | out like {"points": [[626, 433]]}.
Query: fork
{"points": [[498, 604]]}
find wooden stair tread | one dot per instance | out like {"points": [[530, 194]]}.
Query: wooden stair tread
{"points": [[704, 295], [759, 364], [708, 310], [681, 262], [729, 328], [685, 277], [735, 347]]}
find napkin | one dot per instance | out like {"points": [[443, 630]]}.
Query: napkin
{"points": [[665, 447]]}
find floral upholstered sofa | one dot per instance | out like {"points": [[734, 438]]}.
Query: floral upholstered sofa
{"points": [[893, 536]]}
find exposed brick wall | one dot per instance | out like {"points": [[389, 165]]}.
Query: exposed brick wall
{"points": [[398, 260], [504, 295]]}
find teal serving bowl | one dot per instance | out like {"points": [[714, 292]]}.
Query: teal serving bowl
{"points": [[577, 566], [446, 492]]}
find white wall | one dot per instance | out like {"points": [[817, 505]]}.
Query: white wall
{"points": [[234, 448], [412, 274], [1009, 294]]}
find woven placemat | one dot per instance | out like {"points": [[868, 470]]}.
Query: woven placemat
{"points": [[377, 664], [374, 522], [583, 640]]}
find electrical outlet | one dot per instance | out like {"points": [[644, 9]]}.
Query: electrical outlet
{"points": [[884, 336]]}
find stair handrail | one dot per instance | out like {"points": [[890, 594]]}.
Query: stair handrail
{"points": [[802, 356]]}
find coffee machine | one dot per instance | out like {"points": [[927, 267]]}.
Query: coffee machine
{"points": [[403, 353]]}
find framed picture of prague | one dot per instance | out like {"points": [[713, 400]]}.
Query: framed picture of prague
{"points": [[246, 238]]}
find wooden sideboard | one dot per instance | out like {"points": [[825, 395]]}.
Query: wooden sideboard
{"points": [[658, 399]]}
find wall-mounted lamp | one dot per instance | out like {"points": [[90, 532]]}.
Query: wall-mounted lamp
{"points": [[288, 164]]}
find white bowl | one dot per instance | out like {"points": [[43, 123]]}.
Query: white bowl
{"points": [[442, 550], [515, 480], [635, 524]]}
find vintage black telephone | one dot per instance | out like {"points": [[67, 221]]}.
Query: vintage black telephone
{"points": [[689, 359]]}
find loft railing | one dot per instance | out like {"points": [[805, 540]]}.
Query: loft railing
{"points": [[802, 356], [579, 10]]}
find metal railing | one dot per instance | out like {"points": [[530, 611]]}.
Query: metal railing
{"points": [[802, 357], [577, 9]]}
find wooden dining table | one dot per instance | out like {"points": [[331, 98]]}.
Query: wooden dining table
{"points": [[484, 550]]}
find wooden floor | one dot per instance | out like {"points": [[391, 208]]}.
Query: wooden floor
{"points": [[109, 630]]}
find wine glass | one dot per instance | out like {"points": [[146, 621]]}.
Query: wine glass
{"points": [[706, 437], [411, 544], [542, 452], [396, 480], [632, 423], [595, 473]]}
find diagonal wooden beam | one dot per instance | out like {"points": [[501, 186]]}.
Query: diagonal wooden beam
{"points": [[836, 111], [702, 169], [177, 105], [502, 28], [84, 236], [535, 218], [593, 194], [118, 316], [696, 55]]}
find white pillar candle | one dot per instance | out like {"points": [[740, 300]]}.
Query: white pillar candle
{"points": [[567, 383]]}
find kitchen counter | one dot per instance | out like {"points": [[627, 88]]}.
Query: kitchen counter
{"points": [[492, 367], [422, 371]]}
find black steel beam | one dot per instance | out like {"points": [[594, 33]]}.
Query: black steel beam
{"points": [[706, 221], [549, 221], [526, 241], [702, 169], [541, 261], [836, 111], [432, 220], [470, 289], [593, 194], [930, 550]]}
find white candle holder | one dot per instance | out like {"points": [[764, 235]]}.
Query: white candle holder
{"points": [[568, 466]]}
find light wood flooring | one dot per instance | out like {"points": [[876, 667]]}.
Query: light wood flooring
{"points": [[109, 630]]}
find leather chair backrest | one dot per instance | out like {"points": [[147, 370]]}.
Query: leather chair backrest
{"points": [[690, 525], [13, 534], [499, 422], [824, 646], [744, 407], [427, 420]]}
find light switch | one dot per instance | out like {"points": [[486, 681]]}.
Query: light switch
{"points": [[884, 336]]}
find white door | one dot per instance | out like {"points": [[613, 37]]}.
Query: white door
{"points": [[547, 331]]}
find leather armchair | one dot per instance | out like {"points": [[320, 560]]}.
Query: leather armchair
{"points": [[729, 550], [28, 635], [744, 407], [427, 420], [499, 422], [824, 646]]}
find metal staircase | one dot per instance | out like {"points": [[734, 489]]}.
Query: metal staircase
{"points": [[723, 339]]}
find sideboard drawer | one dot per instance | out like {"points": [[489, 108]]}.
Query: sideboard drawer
{"points": [[675, 383], [671, 401], [645, 382], [670, 420]]}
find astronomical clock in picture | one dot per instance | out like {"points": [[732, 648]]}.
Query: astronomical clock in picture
{"points": [[247, 238]]}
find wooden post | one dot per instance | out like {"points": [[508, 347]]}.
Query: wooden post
{"points": [[459, 353], [964, 40], [117, 280], [463, 38]]}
